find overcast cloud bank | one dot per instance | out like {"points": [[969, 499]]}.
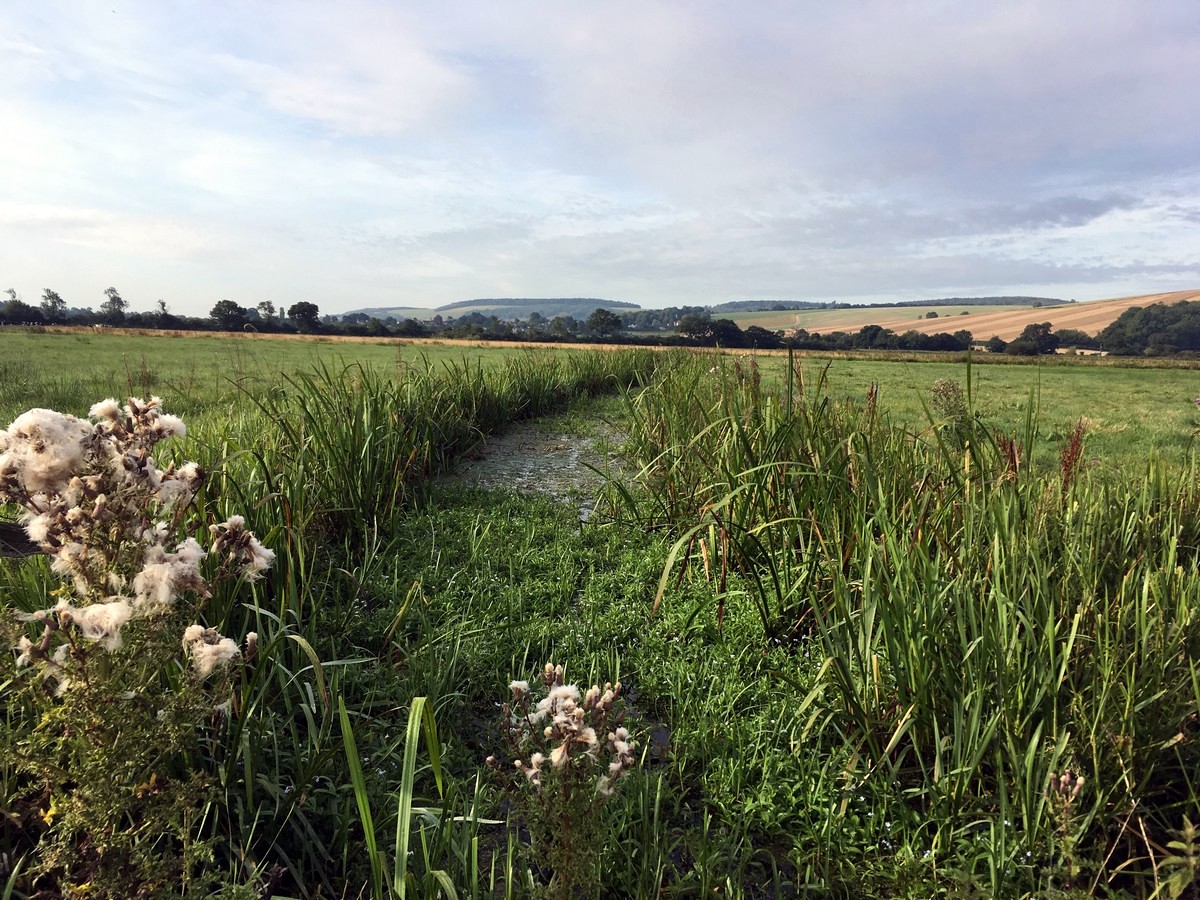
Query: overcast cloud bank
{"points": [[383, 154]]}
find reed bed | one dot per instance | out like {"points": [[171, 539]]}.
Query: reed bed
{"points": [[981, 629]]}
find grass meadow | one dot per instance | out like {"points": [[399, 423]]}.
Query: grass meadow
{"points": [[200, 372], [884, 629], [1130, 413]]}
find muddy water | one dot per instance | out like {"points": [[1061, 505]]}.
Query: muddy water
{"points": [[535, 458]]}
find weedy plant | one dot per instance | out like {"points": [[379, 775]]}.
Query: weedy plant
{"points": [[117, 682], [1063, 791], [1181, 868], [949, 403], [1070, 455], [571, 751]]}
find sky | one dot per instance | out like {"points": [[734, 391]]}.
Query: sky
{"points": [[412, 154]]}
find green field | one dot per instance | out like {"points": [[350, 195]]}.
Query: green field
{"points": [[866, 649], [194, 372], [1129, 412]]}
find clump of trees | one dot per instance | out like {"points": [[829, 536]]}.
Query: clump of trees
{"points": [[1035, 340], [603, 323], [876, 337], [1157, 330], [113, 309], [1040, 338], [16, 311]]}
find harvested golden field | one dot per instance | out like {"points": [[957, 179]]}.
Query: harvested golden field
{"points": [[1090, 317], [852, 318]]}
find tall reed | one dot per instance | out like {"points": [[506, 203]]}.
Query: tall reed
{"points": [[982, 626], [357, 444]]}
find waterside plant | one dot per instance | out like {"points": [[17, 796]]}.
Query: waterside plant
{"points": [[980, 625]]}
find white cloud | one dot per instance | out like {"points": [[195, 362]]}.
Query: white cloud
{"points": [[359, 83]]}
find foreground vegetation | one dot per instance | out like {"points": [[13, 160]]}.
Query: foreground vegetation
{"points": [[861, 655]]}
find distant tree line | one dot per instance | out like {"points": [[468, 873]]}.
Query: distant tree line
{"points": [[304, 317], [1157, 330], [875, 337], [683, 326], [518, 307], [114, 311]]}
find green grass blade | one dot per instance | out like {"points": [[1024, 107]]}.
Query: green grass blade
{"points": [[362, 799], [418, 713]]}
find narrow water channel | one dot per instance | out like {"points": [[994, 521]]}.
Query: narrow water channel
{"points": [[535, 457]]}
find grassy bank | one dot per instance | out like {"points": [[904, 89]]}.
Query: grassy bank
{"points": [[324, 465], [969, 626]]}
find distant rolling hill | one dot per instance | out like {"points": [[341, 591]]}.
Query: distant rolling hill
{"points": [[505, 308], [852, 318], [1090, 317], [734, 308], [983, 320], [395, 312]]}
